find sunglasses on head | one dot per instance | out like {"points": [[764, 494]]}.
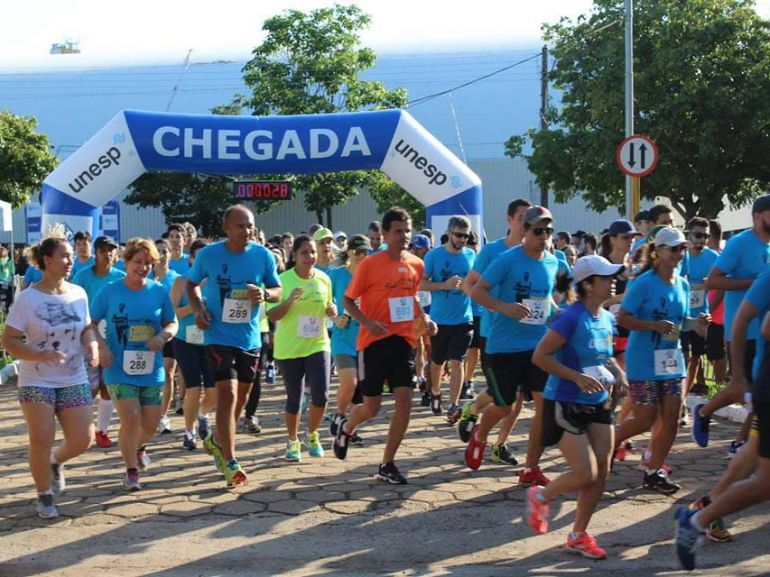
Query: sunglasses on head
{"points": [[461, 235], [538, 231], [699, 235]]}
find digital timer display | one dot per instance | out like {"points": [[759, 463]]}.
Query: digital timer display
{"points": [[262, 189]]}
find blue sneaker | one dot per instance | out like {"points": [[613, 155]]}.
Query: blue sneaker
{"points": [[735, 446], [270, 374], [700, 427], [686, 537], [293, 451]]}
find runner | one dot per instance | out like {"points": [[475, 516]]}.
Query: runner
{"points": [[577, 414], [656, 309], [93, 279], [471, 411], [391, 321], [474, 350], [193, 362], [83, 257], [340, 241], [345, 333], [324, 239], [139, 322], [7, 272], [517, 286], [301, 346], [744, 257], [374, 232], [419, 246], [691, 525], [48, 331], [234, 268], [176, 236], [446, 267]]}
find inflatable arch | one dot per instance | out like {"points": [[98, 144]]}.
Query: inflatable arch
{"points": [[134, 142]]}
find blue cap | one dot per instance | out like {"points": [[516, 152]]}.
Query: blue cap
{"points": [[420, 241], [622, 226]]}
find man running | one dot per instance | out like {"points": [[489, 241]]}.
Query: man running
{"points": [[180, 260], [385, 284], [231, 323]]}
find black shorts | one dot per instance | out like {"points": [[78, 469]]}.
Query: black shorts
{"points": [[560, 417], [451, 343], [509, 373], [693, 344], [715, 342], [749, 351], [194, 364], [232, 363], [476, 340], [168, 350], [762, 416], [390, 359]]}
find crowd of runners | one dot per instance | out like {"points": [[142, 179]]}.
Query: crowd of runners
{"points": [[604, 334]]}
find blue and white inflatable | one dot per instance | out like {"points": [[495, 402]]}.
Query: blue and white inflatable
{"points": [[134, 142]]}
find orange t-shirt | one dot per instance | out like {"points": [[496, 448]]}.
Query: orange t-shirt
{"points": [[387, 289]]}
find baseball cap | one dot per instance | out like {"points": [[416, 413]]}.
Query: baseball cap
{"points": [[105, 241], [642, 215], [761, 204], [587, 266], [420, 241], [668, 236], [322, 233], [340, 234], [623, 226], [359, 241], [535, 214]]}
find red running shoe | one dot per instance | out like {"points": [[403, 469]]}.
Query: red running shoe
{"points": [[538, 512], [586, 546], [532, 476], [474, 451], [102, 440]]}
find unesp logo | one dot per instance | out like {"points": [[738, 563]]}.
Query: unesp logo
{"points": [[435, 176], [109, 158]]}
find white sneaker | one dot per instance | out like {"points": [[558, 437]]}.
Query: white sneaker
{"points": [[45, 506], [164, 427]]}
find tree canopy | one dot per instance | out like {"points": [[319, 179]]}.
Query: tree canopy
{"points": [[702, 73]]}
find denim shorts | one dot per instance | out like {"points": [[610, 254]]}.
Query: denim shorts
{"points": [[60, 398]]}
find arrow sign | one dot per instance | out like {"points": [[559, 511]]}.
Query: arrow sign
{"points": [[637, 156]]}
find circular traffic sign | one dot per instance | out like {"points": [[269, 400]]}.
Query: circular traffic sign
{"points": [[637, 155]]}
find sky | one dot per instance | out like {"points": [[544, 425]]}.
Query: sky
{"points": [[164, 30]]}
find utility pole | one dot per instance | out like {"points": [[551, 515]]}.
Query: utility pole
{"points": [[544, 110], [632, 183]]}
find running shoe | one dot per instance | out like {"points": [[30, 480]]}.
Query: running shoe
{"points": [[474, 451], [58, 483], [435, 405], [251, 425], [467, 392], [735, 446], [355, 439], [164, 427], [716, 531], [453, 413], [293, 451], [143, 459], [314, 447], [341, 441], [335, 423], [620, 454], [45, 506], [686, 537], [467, 422], [532, 476], [102, 440], [390, 474], [538, 511], [644, 464], [203, 426], [502, 454], [425, 399], [270, 374], [131, 480], [421, 384], [304, 403], [215, 451], [658, 481], [189, 441], [585, 545], [684, 418], [700, 427], [234, 474]]}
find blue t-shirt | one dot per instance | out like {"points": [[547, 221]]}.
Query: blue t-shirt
{"points": [[698, 269], [132, 319], [78, 266], [121, 265], [180, 265], [563, 264], [588, 344], [234, 320], [519, 278], [651, 356], [745, 255], [343, 340], [449, 307], [32, 275], [92, 284], [758, 296], [488, 253], [168, 280], [323, 269]]}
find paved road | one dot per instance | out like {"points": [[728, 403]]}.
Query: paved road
{"points": [[327, 517]]}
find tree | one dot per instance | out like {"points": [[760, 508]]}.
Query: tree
{"points": [[387, 193], [25, 158], [702, 73]]}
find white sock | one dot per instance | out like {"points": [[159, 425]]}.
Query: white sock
{"points": [[695, 522], [104, 415]]}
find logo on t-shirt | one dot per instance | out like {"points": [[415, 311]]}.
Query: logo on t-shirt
{"points": [[523, 287], [120, 322], [224, 283]]}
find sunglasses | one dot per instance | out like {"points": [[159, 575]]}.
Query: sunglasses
{"points": [[678, 248], [461, 235], [699, 235], [548, 230]]}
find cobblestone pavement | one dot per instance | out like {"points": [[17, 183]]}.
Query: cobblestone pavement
{"points": [[328, 517]]}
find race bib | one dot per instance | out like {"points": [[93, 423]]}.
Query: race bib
{"points": [[601, 374], [236, 311], [193, 335], [401, 309], [538, 311], [669, 362], [697, 297], [138, 362], [424, 298], [309, 327]]}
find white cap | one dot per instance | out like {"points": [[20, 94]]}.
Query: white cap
{"points": [[339, 234], [670, 237], [587, 266]]}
